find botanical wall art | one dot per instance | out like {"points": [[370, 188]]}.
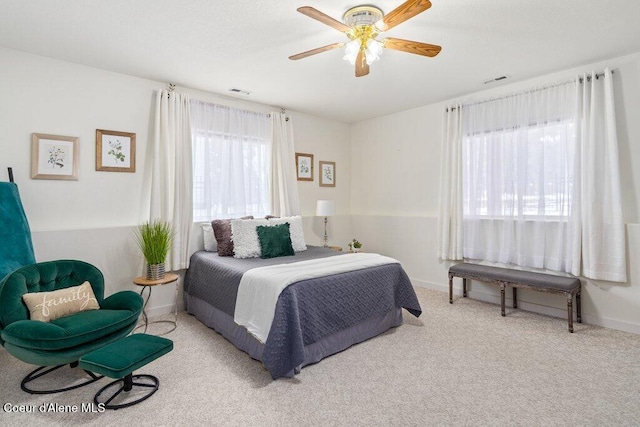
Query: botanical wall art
{"points": [[327, 174], [115, 151], [304, 166], [54, 156]]}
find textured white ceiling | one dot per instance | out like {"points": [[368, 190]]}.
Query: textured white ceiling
{"points": [[215, 45]]}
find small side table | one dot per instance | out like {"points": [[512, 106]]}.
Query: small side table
{"points": [[149, 284]]}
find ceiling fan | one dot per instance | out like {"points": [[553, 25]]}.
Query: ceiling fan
{"points": [[363, 24]]}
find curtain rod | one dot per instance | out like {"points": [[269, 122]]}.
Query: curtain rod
{"points": [[282, 111], [597, 76], [286, 118], [171, 87], [580, 80]]}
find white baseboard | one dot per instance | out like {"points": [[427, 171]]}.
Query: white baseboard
{"points": [[160, 310], [535, 308]]}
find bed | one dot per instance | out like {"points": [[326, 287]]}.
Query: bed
{"points": [[313, 318]]}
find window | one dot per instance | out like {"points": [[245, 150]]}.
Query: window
{"points": [[532, 179], [519, 172], [518, 156], [231, 161]]}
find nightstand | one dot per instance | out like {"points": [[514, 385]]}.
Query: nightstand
{"points": [[149, 284]]}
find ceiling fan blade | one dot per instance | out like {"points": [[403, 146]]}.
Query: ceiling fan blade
{"points": [[316, 51], [362, 68], [325, 19], [406, 10], [417, 48]]}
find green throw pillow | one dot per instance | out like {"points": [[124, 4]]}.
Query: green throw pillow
{"points": [[275, 240]]}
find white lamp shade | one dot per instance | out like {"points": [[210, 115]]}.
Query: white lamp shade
{"points": [[351, 51], [325, 208]]}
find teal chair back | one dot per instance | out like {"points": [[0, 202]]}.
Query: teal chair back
{"points": [[16, 248]]}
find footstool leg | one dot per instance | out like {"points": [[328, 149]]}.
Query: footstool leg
{"points": [[450, 289], [127, 384], [515, 297], [464, 287], [502, 286], [578, 307]]}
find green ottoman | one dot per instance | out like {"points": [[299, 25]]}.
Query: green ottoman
{"points": [[120, 359]]}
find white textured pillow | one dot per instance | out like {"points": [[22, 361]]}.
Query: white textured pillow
{"points": [[245, 237], [210, 244]]}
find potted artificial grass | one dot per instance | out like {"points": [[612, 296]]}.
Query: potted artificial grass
{"points": [[154, 239]]}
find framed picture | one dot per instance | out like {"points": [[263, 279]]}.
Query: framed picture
{"points": [[54, 156], [327, 174], [115, 151], [304, 166]]}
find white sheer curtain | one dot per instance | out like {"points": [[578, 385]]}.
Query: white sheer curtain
{"points": [[518, 156], [171, 182], [283, 183], [450, 219], [540, 181], [601, 220], [231, 162]]}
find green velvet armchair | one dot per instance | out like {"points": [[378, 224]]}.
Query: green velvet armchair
{"points": [[61, 341]]}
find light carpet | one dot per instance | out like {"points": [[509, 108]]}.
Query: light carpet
{"points": [[460, 364]]}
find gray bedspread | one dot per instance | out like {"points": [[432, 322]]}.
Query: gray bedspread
{"points": [[309, 310]]}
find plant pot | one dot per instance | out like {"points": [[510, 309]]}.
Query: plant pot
{"points": [[155, 271]]}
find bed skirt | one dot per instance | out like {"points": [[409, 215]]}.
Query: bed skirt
{"points": [[313, 353]]}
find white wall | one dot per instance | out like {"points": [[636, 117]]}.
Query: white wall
{"points": [[93, 219], [327, 140], [395, 181]]}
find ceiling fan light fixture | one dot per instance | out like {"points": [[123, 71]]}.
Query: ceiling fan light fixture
{"points": [[362, 25], [351, 51], [373, 51]]}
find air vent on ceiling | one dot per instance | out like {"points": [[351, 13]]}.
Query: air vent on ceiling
{"points": [[243, 92], [497, 79]]}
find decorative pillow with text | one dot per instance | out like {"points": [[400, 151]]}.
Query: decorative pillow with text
{"points": [[48, 306]]}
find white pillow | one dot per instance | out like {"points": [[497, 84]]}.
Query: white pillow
{"points": [[245, 237], [210, 244]]}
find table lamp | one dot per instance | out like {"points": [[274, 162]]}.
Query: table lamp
{"points": [[326, 209]]}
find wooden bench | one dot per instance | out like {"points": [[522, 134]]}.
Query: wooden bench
{"points": [[567, 286]]}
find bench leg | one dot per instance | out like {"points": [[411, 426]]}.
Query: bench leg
{"points": [[502, 286], [570, 311], [464, 288], [578, 307], [450, 289], [515, 297]]}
